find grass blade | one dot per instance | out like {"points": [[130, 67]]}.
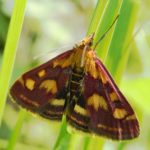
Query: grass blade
{"points": [[118, 54], [109, 14], [10, 50], [96, 16], [122, 35], [16, 131], [86, 143], [63, 139]]}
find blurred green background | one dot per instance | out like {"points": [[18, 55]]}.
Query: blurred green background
{"points": [[49, 28]]}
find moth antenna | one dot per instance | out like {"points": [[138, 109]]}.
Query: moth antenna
{"points": [[102, 37]]}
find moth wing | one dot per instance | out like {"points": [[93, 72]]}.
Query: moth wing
{"points": [[43, 89], [110, 113]]}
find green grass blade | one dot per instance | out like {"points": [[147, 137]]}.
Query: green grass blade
{"points": [[109, 14], [10, 50], [121, 146], [96, 16], [122, 35], [63, 139], [118, 54], [16, 131], [86, 143]]}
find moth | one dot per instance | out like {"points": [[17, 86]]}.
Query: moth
{"points": [[77, 84]]}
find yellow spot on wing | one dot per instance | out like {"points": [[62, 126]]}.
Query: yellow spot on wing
{"points": [[41, 73], [119, 113], [80, 110], [113, 96], [131, 117], [49, 85], [57, 102], [30, 84], [97, 101]]}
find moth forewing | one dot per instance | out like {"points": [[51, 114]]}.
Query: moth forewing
{"points": [[42, 90], [110, 113]]}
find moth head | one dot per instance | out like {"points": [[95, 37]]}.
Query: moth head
{"points": [[87, 41]]}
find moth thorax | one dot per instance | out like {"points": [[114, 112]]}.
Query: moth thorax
{"points": [[76, 79]]}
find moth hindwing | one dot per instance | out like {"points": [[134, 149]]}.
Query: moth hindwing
{"points": [[77, 84]]}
